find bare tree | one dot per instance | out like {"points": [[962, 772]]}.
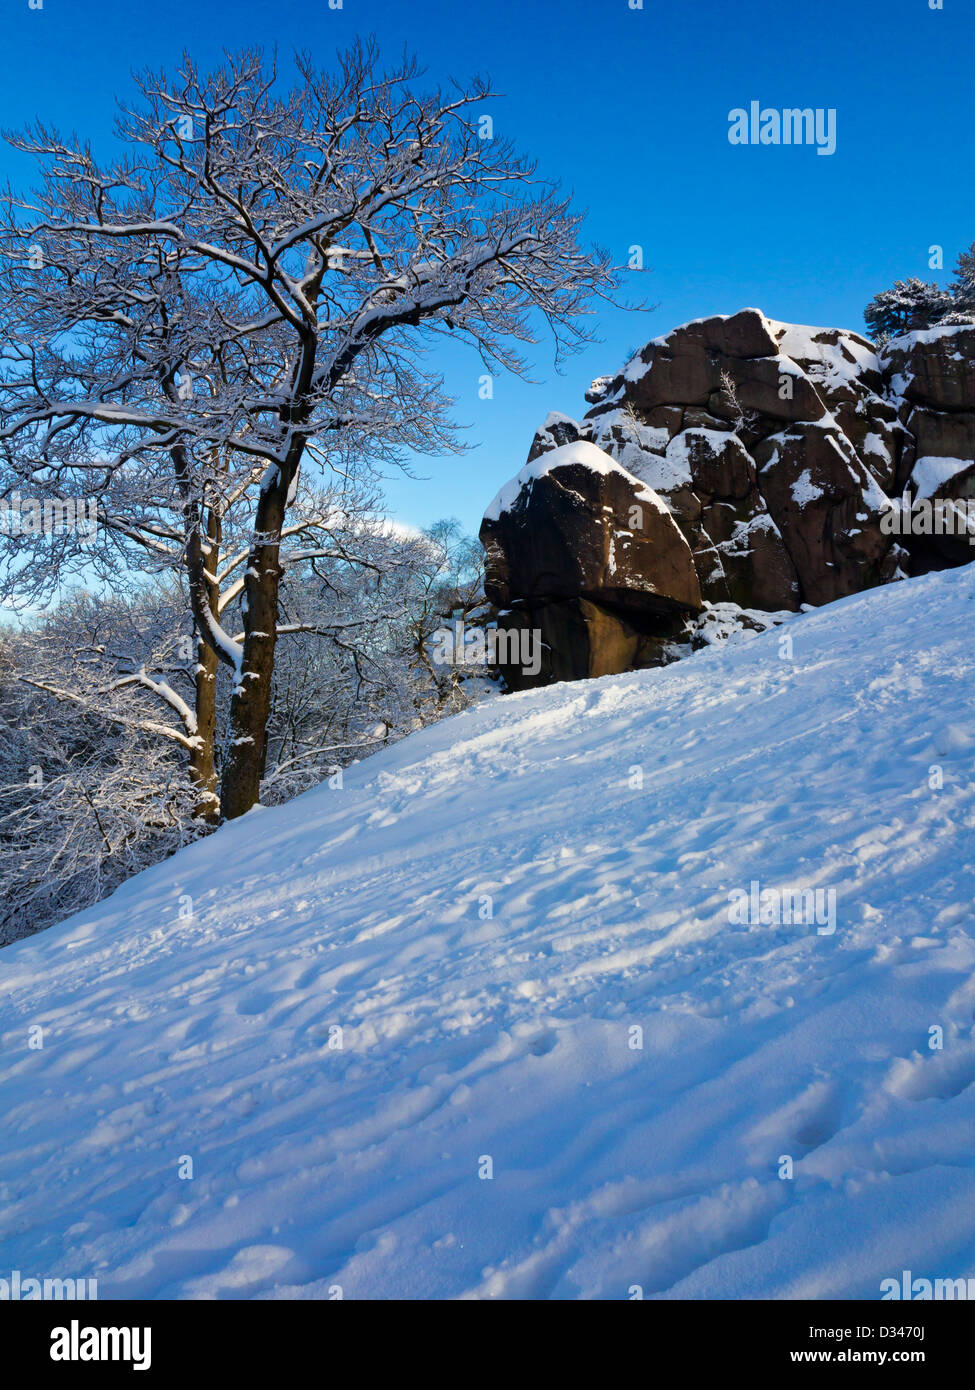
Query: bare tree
{"points": [[249, 292]]}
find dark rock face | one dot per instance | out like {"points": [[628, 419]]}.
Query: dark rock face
{"points": [[935, 368], [579, 639], [774, 449], [931, 378], [583, 526], [583, 553], [828, 511]]}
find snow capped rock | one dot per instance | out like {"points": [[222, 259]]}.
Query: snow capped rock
{"points": [[929, 475], [934, 368], [831, 356], [579, 454], [589, 557], [599, 388]]}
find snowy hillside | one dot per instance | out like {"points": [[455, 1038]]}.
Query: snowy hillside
{"points": [[190, 1015]]}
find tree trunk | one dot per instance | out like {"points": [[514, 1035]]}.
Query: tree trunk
{"points": [[250, 704], [203, 768]]}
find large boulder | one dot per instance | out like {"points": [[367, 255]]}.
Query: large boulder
{"points": [[931, 381], [584, 553], [575, 639], [709, 481], [691, 365], [933, 368], [755, 405], [846, 372], [574, 523]]}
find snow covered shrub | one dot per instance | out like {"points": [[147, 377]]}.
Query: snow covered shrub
{"points": [[87, 796]]}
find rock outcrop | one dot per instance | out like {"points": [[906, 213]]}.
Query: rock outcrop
{"points": [[582, 552], [768, 441], [772, 450]]}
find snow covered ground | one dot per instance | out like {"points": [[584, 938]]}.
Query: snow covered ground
{"points": [[190, 1015]]}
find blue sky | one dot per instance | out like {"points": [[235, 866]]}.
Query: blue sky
{"points": [[629, 109]]}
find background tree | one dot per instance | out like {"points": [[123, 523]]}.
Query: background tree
{"points": [[98, 722], [913, 305], [963, 286], [91, 789], [909, 306]]}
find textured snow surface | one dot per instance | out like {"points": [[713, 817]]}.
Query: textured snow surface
{"points": [[468, 1036]]}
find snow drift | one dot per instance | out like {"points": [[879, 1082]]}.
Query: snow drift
{"points": [[496, 913]]}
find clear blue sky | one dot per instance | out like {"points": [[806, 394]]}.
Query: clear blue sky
{"points": [[629, 109]]}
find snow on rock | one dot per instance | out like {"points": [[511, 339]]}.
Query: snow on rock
{"points": [[831, 355], [805, 490], [528, 950], [580, 453], [929, 475], [699, 413], [925, 336], [599, 388], [723, 624], [934, 367]]}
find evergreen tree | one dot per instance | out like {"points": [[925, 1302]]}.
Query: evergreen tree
{"points": [[963, 288], [911, 305]]}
